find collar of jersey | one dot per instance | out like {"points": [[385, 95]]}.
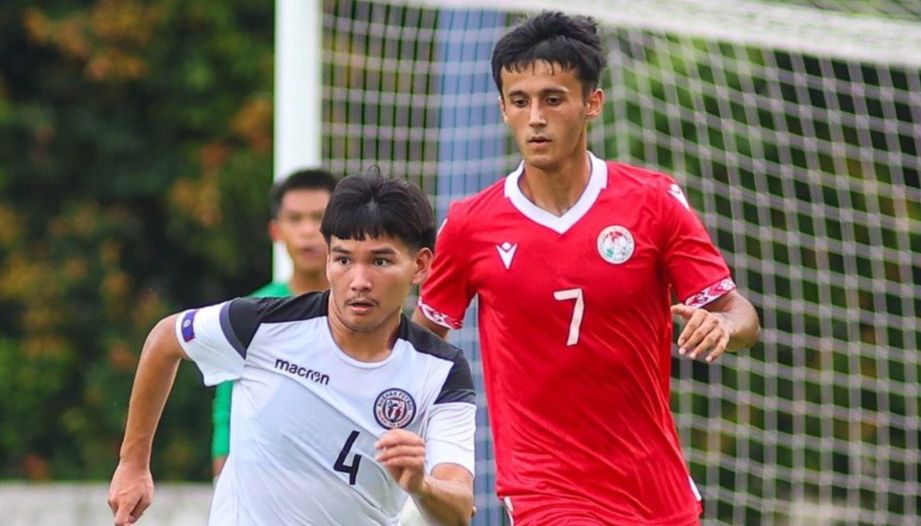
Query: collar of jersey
{"points": [[597, 181], [342, 355]]}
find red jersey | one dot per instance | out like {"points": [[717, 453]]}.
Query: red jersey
{"points": [[576, 339]]}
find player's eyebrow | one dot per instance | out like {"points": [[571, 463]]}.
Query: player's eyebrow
{"points": [[385, 251], [543, 92], [301, 211]]}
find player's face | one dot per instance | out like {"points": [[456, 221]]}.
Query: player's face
{"points": [[548, 112], [298, 227], [370, 280]]}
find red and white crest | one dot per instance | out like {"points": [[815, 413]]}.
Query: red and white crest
{"points": [[615, 244]]}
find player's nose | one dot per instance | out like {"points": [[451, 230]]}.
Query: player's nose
{"points": [[360, 278], [536, 116], [310, 228]]}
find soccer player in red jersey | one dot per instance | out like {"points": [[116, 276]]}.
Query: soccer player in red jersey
{"points": [[575, 262]]}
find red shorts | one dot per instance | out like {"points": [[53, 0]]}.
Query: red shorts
{"points": [[537, 511]]}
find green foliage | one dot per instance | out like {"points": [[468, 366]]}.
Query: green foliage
{"points": [[135, 139]]}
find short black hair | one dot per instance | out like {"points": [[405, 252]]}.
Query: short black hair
{"points": [[372, 206], [306, 179], [572, 42]]}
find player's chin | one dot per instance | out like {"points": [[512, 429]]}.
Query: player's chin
{"points": [[362, 322], [542, 160]]}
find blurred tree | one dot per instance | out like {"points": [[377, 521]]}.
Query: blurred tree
{"points": [[135, 157]]}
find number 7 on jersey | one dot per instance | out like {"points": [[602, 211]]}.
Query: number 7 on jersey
{"points": [[576, 323]]}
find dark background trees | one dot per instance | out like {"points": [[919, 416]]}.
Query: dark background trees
{"points": [[135, 156]]}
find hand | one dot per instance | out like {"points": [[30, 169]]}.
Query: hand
{"points": [[218, 465], [130, 493], [704, 332], [402, 452]]}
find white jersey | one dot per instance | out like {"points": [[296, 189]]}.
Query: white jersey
{"points": [[305, 416]]}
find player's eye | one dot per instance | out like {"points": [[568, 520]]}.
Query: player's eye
{"points": [[342, 260], [519, 103], [554, 100], [380, 262]]}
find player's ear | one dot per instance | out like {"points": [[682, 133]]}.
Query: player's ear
{"points": [[594, 103], [423, 264], [274, 231]]}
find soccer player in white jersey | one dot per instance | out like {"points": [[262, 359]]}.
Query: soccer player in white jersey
{"points": [[575, 261], [342, 407]]}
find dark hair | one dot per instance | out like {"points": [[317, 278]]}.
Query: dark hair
{"points": [[572, 42], [307, 179], [371, 206]]}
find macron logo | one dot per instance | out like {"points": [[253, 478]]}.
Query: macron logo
{"points": [[303, 372], [506, 253]]}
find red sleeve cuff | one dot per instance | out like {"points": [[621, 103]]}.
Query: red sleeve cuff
{"points": [[710, 293], [439, 318]]}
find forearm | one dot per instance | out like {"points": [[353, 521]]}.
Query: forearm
{"points": [[419, 319], [445, 502], [153, 381]]}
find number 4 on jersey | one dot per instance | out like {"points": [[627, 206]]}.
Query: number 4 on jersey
{"points": [[576, 324], [340, 464]]}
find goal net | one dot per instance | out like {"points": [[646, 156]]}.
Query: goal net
{"points": [[795, 129]]}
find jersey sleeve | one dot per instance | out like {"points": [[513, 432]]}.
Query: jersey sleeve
{"points": [[696, 269], [452, 420], [447, 292], [216, 337]]}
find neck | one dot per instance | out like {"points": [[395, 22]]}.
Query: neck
{"points": [[371, 346], [556, 189], [302, 282]]}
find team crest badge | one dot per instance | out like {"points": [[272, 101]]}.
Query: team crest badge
{"points": [[394, 408], [615, 244]]}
